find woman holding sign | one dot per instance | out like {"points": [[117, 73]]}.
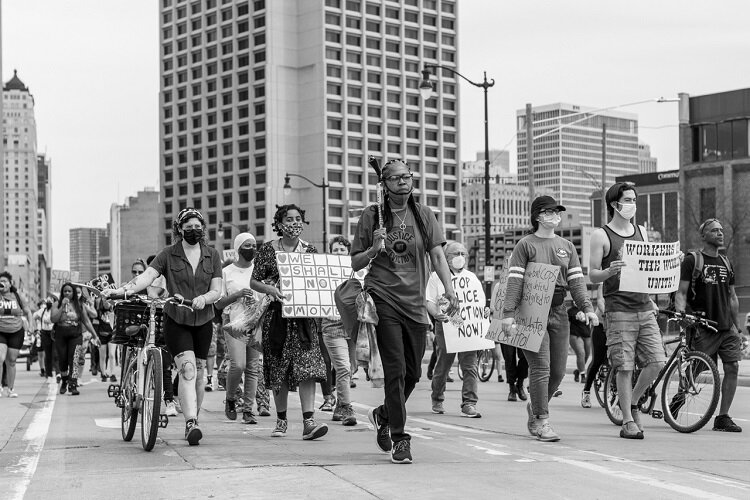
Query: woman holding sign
{"points": [[547, 365], [291, 350]]}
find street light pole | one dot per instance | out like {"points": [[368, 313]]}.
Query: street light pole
{"points": [[324, 187], [425, 89]]}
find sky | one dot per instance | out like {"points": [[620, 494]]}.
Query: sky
{"points": [[93, 69]]}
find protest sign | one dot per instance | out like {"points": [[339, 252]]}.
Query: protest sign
{"points": [[470, 335], [650, 267], [532, 312], [58, 277], [308, 281], [498, 291], [229, 255]]}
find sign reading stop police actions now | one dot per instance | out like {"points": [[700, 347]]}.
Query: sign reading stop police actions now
{"points": [[470, 335], [650, 267]]}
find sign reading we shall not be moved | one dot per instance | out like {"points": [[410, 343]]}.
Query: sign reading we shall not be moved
{"points": [[650, 267], [308, 281]]}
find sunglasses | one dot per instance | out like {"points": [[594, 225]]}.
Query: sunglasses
{"points": [[136, 273]]}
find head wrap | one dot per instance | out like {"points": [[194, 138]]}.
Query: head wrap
{"points": [[187, 214], [241, 238]]}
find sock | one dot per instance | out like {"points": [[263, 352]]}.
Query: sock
{"points": [[307, 414], [281, 415]]}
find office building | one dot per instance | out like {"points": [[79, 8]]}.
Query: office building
{"points": [[86, 244], [568, 151], [134, 233], [472, 172], [647, 164], [44, 218], [253, 90]]}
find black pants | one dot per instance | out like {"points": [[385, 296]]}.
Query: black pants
{"points": [[50, 353], [516, 366], [327, 384], [166, 369], [67, 338], [599, 356]]}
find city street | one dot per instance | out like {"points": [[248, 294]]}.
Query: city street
{"points": [[60, 446]]}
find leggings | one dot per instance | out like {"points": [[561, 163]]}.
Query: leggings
{"points": [[50, 353], [67, 338], [326, 386], [599, 357]]}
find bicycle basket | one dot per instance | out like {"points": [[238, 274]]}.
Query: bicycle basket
{"points": [[129, 313]]}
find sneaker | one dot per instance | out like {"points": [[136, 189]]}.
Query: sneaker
{"points": [[337, 413], [352, 384], [12, 394], [348, 416], [722, 423], [512, 394], [112, 378], [470, 411], [328, 402], [546, 433], [532, 422], [678, 401], [104, 378], [177, 406], [449, 380], [63, 387], [280, 429], [583, 378], [209, 385], [630, 430], [401, 452], [193, 432], [522, 394], [437, 407], [171, 409], [248, 418], [264, 412], [576, 375], [230, 409], [312, 430], [382, 432], [58, 378], [586, 399], [557, 394], [636, 413], [500, 377]]}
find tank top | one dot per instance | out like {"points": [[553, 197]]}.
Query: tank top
{"points": [[614, 299], [11, 318]]}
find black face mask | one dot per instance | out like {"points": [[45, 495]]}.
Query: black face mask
{"points": [[192, 236], [247, 253], [48, 305]]}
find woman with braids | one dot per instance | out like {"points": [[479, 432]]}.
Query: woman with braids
{"points": [[192, 270], [399, 255], [291, 350]]}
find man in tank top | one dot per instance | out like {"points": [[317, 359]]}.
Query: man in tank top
{"points": [[632, 332]]}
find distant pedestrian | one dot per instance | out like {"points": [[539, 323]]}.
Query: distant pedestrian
{"points": [[11, 330]]}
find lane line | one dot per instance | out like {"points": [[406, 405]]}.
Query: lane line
{"points": [[35, 436]]}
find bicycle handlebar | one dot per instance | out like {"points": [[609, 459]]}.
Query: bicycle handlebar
{"points": [[711, 325], [144, 298]]}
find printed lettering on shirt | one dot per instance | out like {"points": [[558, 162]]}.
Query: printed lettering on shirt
{"points": [[9, 304], [402, 249], [714, 274]]}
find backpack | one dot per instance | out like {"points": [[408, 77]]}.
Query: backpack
{"points": [[698, 267]]}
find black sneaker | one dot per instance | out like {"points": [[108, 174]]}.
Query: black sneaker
{"points": [[383, 433], [248, 418], [193, 432], [521, 391], [230, 409], [401, 453], [678, 401], [725, 423]]}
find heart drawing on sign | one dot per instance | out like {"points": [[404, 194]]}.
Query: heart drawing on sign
{"points": [[288, 311], [284, 270], [281, 257], [288, 297], [286, 283]]}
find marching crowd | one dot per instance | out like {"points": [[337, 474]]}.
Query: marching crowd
{"points": [[410, 283]]}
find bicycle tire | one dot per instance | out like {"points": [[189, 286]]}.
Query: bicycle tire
{"points": [[696, 408], [611, 400], [599, 381], [486, 362], [151, 405], [128, 412]]}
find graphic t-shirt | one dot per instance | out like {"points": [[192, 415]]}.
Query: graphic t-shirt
{"points": [[11, 319], [711, 293]]}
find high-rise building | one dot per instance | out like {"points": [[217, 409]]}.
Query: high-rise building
{"points": [[86, 244], [647, 164], [473, 171], [568, 151], [20, 185], [134, 232], [44, 218], [252, 90]]}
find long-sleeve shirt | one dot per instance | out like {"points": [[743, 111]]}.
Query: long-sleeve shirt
{"points": [[555, 251]]}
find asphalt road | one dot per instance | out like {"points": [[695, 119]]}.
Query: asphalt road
{"points": [[61, 446]]}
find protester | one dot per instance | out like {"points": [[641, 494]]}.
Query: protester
{"points": [[104, 330], [43, 323], [599, 348], [11, 330], [632, 331], [192, 270], [398, 254], [707, 287], [580, 343], [516, 371], [547, 366], [291, 350]]}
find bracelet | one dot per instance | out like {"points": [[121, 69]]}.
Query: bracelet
{"points": [[368, 255]]}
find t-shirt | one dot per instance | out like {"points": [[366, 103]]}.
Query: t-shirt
{"points": [[235, 279], [11, 313], [399, 276], [711, 294]]}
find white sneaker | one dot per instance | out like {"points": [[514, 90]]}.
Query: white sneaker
{"points": [[12, 393], [171, 410], [586, 399]]}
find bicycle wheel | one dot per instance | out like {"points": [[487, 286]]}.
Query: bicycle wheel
{"points": [[151, 406], [599, 381], [128, 412], [690, 391], [611, 400], [486, 364]]}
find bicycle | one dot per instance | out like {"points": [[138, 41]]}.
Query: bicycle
{"points": [[691, 388], [486, 364], [141, 384], [600, 379]]}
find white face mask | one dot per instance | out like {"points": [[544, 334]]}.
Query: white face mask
{"points": [[550, 221], [458, 262], [627, 211]]}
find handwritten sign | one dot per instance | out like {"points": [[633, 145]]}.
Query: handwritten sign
{"points": [[59, 277], [229, 255], [470, 335], [650, 267], [102, 282], [498, 291], [532, 313], [308, 281]]}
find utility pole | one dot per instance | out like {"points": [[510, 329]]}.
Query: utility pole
{"points": [[530, 150], [604, 172]]}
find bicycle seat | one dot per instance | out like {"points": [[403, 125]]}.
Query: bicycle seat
{"points": [[133, 330]]}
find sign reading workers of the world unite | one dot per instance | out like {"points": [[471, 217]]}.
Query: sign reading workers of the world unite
{"points": [[650, 267], [308, 281]]}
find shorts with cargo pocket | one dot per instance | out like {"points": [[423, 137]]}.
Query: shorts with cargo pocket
{"points": [[633, 337]]}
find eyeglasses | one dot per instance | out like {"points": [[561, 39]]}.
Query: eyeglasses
{"points": [[399, 178], [550, 211]]}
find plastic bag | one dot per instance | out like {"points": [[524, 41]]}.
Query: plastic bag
{"points": [[246, 317], [367, 316]]}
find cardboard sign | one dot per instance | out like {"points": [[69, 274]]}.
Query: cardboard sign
{"points": [[308, 280], [102, 282], [229, 255], [59, 277], [498, 291], [489, 273], [470, 336], [650, 267], [532, 312]]}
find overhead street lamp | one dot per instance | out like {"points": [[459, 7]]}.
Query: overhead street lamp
{"points": [[426, 90], [324, 187]]}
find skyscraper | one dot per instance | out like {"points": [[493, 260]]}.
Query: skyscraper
{"points": [[134, 232], [252, 90], [44, 218], [86, 244], [647, 164], [568, 160]]}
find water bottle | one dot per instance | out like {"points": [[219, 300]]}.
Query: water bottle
{"points": [[455, 320]]}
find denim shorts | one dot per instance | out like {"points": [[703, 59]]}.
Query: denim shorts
{"points": [[633, 337]]}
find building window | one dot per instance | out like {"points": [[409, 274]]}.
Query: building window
{"points": [[707, 203]]}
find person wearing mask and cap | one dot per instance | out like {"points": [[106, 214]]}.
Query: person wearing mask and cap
{"points": [[192, 270], [243, 359], [547, 366], [455, 254]]}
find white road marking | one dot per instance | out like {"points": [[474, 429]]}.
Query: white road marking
{"points": [[36, 434], [452, 427], [108, 423]]}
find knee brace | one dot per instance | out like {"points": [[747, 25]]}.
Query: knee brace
{"points": [[187, 370]]}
